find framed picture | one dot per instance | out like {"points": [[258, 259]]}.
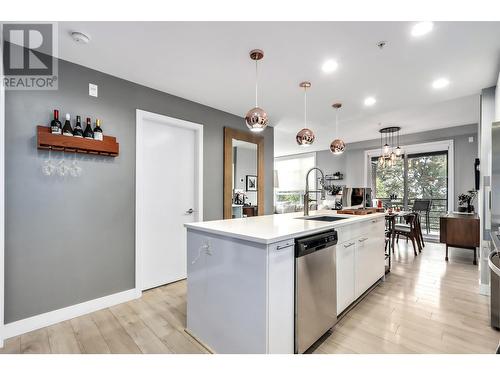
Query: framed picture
{"points": [[251, 183]]}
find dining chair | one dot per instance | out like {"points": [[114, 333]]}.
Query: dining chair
{"points": [[418, 228], [410, 231], [423, 206]]}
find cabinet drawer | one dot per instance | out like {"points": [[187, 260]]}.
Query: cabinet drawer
{"points": [[361, 229]]}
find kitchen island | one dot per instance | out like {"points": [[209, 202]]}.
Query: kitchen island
{"points": [[241, 276]]}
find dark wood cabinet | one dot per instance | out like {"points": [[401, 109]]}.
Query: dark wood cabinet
{"points": [[249, 211], [460, 231]]}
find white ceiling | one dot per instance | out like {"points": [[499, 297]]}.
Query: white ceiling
{"points": [[208, 62]]}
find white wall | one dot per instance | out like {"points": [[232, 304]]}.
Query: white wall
{"points": [[2, 208], [497, 100], [485, 152]]}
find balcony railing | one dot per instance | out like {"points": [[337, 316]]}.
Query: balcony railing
{"points": [[439, 206]]}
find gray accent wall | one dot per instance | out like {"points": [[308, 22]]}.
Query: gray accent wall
{"points": [[70, 240], [351, 162]]}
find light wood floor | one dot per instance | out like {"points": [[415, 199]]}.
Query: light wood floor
{"points": [[425, 306]]}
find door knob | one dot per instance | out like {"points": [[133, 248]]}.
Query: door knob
{"points": [[190, 211]]}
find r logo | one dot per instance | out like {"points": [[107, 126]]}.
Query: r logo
{"points": [[28, 49]]}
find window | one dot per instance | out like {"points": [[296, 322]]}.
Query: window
{"points": [[428, 179], [289, 184], [421, 175]]}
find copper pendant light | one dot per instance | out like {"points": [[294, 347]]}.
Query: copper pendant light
{"points": [[337, 146], [256, 118], [305, 137]]}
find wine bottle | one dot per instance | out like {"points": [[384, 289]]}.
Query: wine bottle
{"points": [[55, 124], [97, 130], [67, 129], [88, 133], [78, 131]]}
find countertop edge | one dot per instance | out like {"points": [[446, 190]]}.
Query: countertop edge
{"points": [[271, 240]]}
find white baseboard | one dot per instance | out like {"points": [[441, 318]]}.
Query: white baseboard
{"points": [[52, 317]]}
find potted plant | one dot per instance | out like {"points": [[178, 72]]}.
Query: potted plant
{"points": [[334, 189], [465, 201]]}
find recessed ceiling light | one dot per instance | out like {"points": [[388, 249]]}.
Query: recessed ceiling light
{"points": [[440, 83], [80, 38], [370, 101], [330, 66], [422, 28]]}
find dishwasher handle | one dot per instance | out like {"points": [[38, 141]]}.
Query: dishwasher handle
{"points": [[310, 244]]}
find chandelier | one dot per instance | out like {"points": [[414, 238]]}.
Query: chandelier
{"points": [[389, 146]]}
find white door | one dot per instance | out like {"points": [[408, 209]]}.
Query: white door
{"points": [[169, 191]]}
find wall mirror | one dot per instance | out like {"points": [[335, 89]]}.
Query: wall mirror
{"points": [[243, 174]]}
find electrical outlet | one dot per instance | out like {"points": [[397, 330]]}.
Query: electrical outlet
{"points": [[471, 139], [93, 89]]}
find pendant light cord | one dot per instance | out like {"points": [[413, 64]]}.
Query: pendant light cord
{"points": [[305, 107], [256, 82], [336, 123]]}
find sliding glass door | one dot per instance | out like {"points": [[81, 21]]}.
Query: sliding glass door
{"points": [[428, 180], [416, 176]]}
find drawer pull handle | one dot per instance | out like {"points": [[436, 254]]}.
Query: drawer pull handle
{"points": [[348, 245], [281, 247], [363, 239]]}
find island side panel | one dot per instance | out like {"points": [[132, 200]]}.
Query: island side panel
{"points": [[227, 293], [281, 297]]}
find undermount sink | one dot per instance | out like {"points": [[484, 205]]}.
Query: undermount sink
{"points": [[322, 218]]}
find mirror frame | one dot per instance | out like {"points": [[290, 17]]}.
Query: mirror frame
{"points": [[229, 135]]}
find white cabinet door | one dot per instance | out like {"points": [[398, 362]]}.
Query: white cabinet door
{"points": [[377, 244], [363, 265], [345, 274], [370, 257]]}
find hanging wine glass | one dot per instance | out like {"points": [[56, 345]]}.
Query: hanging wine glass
{"points": [[48, 168], [62, 168], [75, 170]]}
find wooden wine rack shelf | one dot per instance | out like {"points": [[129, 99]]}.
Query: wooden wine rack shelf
{"points": [[47, 141]]}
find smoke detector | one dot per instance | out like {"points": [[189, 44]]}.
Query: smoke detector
{"points": [[80, 38], [382, 44]]}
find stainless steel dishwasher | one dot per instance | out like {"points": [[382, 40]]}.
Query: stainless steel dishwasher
{"points": [[315, 288]]}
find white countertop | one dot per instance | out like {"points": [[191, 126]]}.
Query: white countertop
{"points": [[273, 228]]}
